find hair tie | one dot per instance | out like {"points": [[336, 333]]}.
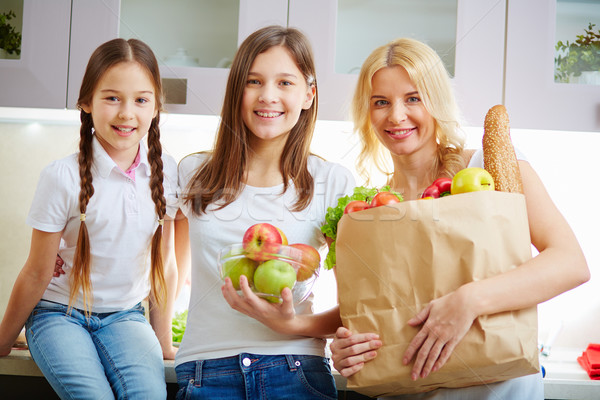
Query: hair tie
{"points": [[161, 222], [82, 217]]}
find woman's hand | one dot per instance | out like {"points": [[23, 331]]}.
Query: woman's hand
{"points": [[279, 317], [351, 351], [445, 322]]}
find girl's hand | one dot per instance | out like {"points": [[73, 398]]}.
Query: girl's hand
{"points": [[351, 351], [445, 322], [279, 317], [169, 354], [5, 350], [58, 271]]}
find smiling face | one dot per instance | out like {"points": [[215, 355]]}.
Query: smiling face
{"points": [[399, 118], [275, 94], [122, 108]]}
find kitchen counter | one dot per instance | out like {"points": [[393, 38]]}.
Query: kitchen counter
{"points": [[565, 379]]}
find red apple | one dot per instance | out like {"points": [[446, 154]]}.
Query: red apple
{"points": [[310, 260], [471, 179], [384, 199], [356, 205], [261, 241], [272, 276]]}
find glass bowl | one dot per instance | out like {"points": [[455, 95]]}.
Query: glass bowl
{"points": [[270, 272]]}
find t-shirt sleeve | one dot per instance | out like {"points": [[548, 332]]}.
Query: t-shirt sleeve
{"points": [[340, 183], [170, 185], [56, 194], [185, 172]]}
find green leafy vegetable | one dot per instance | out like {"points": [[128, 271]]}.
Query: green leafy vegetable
{"points": [[178, 325], [334, 214]]}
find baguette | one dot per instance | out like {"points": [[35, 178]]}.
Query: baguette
{"points": [[499, 157]]}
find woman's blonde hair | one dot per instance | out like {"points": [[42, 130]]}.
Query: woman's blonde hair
{"points": [[221, 177], [427, 72], [104, 57]]}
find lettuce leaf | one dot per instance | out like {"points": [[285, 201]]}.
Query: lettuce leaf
{"points": [[178, 325], [334, 214]]}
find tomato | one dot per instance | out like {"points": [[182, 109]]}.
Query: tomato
{"points": [[356, 205], [384, 199]]}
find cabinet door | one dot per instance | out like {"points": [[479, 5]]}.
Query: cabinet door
{"points": [[533, 98], [195, 41], [468, 34], [93, 23], [38, 78]]}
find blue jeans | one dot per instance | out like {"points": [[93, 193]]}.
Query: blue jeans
{"points": [[110, 355], [256, 377]]}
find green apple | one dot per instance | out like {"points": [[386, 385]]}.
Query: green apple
{"points": [[272, 276], [238, 266], [471, 179]]}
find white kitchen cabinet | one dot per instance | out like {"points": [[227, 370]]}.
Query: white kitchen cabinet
{"points": [[55, 49], [92, 23], [38, 78], [533, 98], [195, 41], [60, 35], [468, 34]]}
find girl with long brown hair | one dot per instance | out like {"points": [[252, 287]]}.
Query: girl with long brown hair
{"points": [[107, 211], [260, 170]]}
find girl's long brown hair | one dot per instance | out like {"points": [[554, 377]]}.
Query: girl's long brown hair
{"points": [[221, 177], [104, 57]]}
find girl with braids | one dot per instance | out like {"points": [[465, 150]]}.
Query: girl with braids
{"points": [[260, 170], [107, 211], [404, 109]]}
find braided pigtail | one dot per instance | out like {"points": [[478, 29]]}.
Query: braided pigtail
{"points": [[80, 274], [157, 274]]}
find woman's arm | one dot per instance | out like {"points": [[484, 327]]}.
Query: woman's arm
{"points": [[161, 315], [559, 266], [29, 286]]}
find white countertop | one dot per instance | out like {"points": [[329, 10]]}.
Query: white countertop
{"points": [[565, 378]]}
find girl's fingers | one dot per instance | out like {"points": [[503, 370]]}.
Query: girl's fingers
{"points": [[346, 372]]}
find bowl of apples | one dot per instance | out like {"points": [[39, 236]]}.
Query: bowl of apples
{"points": [[270, 264]]}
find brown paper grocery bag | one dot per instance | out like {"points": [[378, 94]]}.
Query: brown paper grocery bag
{"points": [[393, 260]]}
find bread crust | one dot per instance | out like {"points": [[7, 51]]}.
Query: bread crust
{"points": [[499, 156]]}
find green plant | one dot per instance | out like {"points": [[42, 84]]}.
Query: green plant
{"points": [[581, 55], [10, 39]]}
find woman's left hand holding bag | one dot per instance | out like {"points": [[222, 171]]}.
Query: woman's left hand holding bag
{"points": [[445, 321]]}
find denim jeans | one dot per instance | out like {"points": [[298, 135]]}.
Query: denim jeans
{"points": [[256, 377], [109, 355]]}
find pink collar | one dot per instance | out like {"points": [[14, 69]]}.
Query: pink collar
{"points": [[131, 170]]}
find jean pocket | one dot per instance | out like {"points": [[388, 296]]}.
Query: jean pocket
{"points": [[315, 375], [45, 308]]}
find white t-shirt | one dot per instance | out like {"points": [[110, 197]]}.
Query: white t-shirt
{"points": [[214, 329], [120, 219]]}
